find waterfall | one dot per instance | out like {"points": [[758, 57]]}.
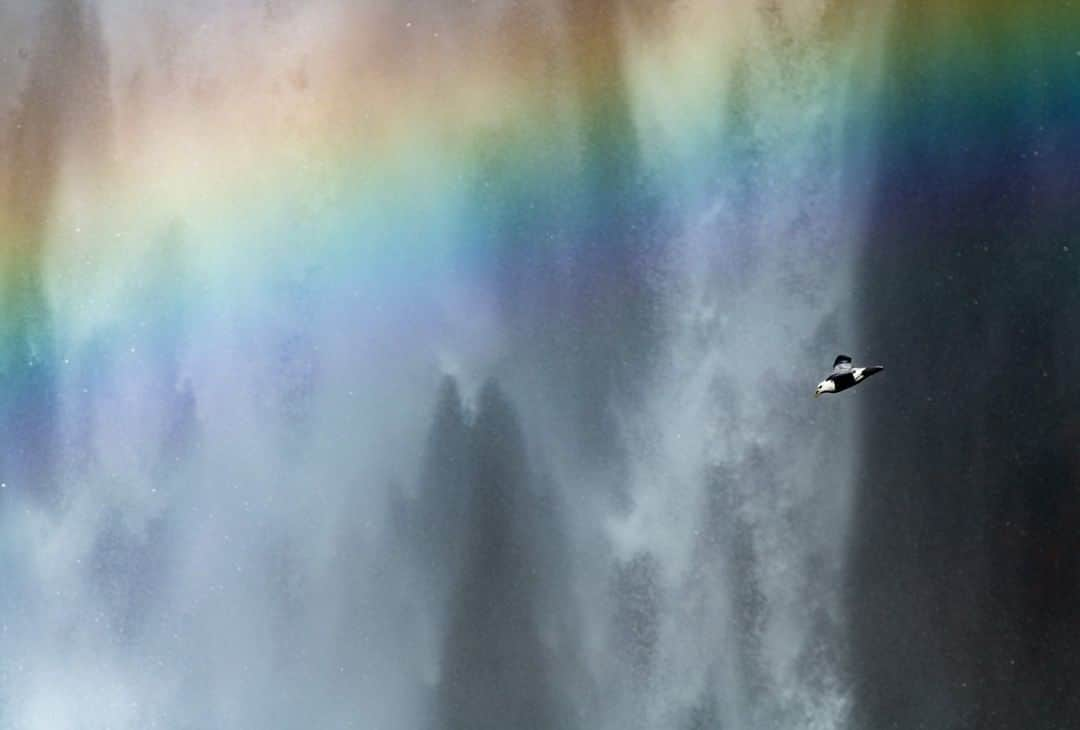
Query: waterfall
{"points": [[439, 366], [741, 483], [448, 365]]}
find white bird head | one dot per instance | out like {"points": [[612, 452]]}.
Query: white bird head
{"points": [[825, 386]]}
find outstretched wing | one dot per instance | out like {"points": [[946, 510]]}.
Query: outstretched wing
{"points": [[842, 364]]}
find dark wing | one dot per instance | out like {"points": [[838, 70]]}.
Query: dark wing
{"points": [[842, 364]]}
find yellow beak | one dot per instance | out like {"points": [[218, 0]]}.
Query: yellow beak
{"points": [[817, 393]]}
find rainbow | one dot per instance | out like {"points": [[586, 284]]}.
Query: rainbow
{"points": [[386, 156]]}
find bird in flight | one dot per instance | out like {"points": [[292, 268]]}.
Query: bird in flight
{"points": [[845, 376]]}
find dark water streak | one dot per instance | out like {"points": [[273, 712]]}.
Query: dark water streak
{"points": [[965, 582], [62, 118]]}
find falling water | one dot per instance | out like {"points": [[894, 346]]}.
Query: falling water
{"points": [[429, 366], [741, 488]]}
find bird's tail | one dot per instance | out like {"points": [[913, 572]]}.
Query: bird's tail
{"points": [[873, 369]]}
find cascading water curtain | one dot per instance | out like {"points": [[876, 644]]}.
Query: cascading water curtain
{"points": [[448, 365]]}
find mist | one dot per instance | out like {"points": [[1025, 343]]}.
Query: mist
{"points": [[449, 365]]}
